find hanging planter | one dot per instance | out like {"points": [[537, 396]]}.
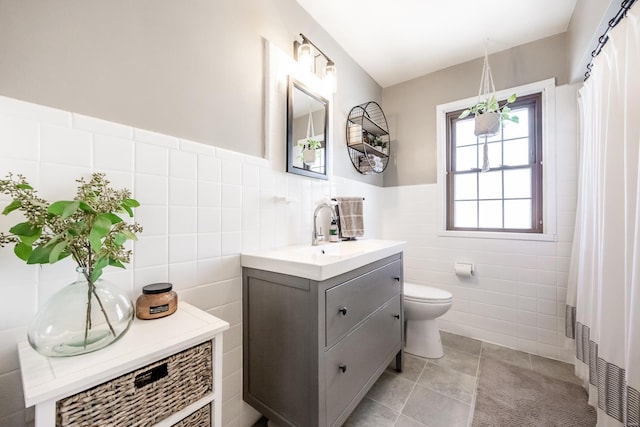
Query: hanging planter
{"points": [[489, 115], [310, 146]]}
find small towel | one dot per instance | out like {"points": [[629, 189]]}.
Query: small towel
{"points": [[351, 219]]}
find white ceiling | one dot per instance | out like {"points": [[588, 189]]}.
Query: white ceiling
{"points": [[398, 40]]}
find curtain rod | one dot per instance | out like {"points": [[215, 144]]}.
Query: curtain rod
{"points": [[604, 38]]}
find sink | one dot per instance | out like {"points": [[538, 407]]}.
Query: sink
{"points": [[324, 261]]}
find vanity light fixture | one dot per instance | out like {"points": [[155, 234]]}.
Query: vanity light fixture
{"points": [[307, 53]]}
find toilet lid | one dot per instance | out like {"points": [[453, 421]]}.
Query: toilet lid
{"points": [[413, 291]]}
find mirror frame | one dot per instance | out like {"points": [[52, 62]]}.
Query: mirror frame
{"points": [[293, 85]]}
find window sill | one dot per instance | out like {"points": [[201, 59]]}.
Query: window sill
{"points": [[499, 235]]}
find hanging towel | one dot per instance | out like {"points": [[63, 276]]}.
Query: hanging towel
{"points": [[351, 219]]}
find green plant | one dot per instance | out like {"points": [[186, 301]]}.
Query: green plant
{"points": [[379, 142], [88, 228], [311, 144], [491, 105]]}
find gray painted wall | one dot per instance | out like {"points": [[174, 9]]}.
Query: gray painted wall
{"points": [[588, 22], [192, 69], [411, 106]]}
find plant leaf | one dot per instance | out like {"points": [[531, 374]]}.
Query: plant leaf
{"points": [[22, 251], [100, 264], [64, 208], [464, 114], [512, 98], [113, 218], [26, 232], [100, 228], [86, 207], [116, 263], [128, 210], [56, 252], [12, 207], [119, 239], [24, 186], [40, 255], [132, 203], [129, 235]]}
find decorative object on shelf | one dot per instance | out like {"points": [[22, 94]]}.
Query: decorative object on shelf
{"points": [[368, 139], [307, 131], [307, 53], [157, 300], [488, 113], [89, 314]]}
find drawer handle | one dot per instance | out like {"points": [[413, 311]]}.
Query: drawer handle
{"points": [[342, 368], [151, 376], [343, 311], [397, 279], [396, 316]]}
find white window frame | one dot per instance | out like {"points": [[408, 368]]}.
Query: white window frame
{"points": [[549, 232]]}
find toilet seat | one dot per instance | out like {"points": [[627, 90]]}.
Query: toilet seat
{"points": [[423, 293]]}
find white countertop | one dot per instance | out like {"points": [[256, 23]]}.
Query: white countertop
{"points": [[323, 261], [147, 340]]}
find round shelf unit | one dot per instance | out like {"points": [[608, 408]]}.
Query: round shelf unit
{"points": [[368, 140]]}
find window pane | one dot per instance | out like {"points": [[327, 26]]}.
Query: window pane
{"points": [[490, 185], [516, 152], [517, 213], [466, 158], [465, 186], [464, 133], [490, 214], [517, 130], [495, 154], [517, 183], [466, 214]]}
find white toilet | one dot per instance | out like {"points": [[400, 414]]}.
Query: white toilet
{"points": [[422, 305]]}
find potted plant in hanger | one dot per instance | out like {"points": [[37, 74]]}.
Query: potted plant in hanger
{"points": [[489, 115], [309, 149]]}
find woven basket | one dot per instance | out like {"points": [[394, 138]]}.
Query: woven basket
{"points": [[200, 418], [145, 396]]}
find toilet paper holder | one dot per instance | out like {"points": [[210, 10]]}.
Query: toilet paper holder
{"points": [[463, 269]]}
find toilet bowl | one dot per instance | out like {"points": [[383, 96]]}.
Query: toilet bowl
{"points": [[422, 305]]}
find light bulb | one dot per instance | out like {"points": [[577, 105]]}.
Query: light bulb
{"points": [[331, 76], [305, 57]]}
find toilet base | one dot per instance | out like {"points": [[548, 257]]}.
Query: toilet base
{"points": [[422, 338]]}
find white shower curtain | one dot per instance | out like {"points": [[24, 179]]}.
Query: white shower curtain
{"points": [[603, 295]]}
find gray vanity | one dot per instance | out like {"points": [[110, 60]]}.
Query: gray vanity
{"points": [[321, 323]]}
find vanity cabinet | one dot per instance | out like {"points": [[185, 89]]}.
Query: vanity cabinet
{"points": [[312, 349], [162, 372]]}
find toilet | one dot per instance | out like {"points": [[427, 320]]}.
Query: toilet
{"points": [[422, 305]]}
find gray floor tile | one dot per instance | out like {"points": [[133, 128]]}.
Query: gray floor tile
{"points": [[404, 421], [391, 391], [371, 414], [554, 368], [455, 384], [458, 361], [507, 355], [412, 367], [435, 410], [458, 342]]}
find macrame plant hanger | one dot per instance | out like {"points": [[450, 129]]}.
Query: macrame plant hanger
{"points": [[487, 91], [310, 133]]}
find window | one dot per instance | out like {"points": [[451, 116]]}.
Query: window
{"points": [[508, 197]]}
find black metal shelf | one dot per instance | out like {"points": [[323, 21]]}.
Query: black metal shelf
{"points": [[368, 139]]}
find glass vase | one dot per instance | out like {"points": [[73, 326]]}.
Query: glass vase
{"points": [[81, 318]]}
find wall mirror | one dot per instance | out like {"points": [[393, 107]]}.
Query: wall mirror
{"points": [[307, 131]]}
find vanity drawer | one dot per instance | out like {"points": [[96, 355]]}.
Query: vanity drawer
{"points": [[360, 354], [350, 302]]}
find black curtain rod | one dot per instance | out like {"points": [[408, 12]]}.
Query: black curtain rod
{"points": [[604, 38]]}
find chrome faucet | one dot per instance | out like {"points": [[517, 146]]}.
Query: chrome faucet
{"points": [[316, 237]]}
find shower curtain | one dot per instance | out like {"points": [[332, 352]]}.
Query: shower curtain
{"points": [[603, 294]]}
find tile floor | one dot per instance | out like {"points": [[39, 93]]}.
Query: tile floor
{"points": [[441, 392]]}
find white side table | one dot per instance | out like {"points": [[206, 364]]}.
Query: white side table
{"points": [[46, 380]]}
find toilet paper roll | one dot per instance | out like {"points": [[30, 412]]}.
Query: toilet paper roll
{"points": [[463, 269]]}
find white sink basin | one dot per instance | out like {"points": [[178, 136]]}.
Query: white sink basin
{"points": [[323, 261]]}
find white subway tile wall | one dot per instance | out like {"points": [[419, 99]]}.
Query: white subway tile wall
{"points": [[200, 208]]}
